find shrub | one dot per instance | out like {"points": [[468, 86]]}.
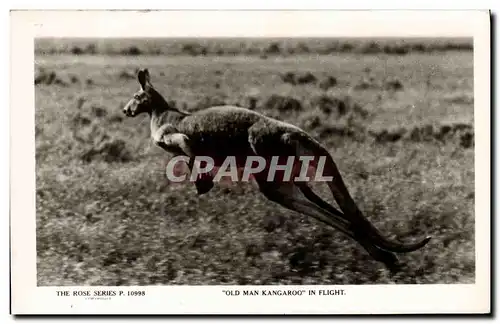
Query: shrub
{"points": [[193, 49], [394, 85], [115, 119], [338, 107], [327, 131], [124, 75], [367, 83], [370, 48], [132, 50], [282, 103], [459, 98], [111, 150], [75, 50], [459, 133], [305, 78], [397, 49], [327, 83], [48, 78], [311, 120], [370, 83], [293, 78], [98, 111], [273, 49], [302, 48], [467, 140], [289, 77], [80, 120], [389, 135], [330, 105]]}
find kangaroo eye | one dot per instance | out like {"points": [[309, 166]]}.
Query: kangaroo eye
{"points": [[137, 97]]}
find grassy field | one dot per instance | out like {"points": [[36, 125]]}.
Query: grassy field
{"points": [[399, 126], [248, 46]]}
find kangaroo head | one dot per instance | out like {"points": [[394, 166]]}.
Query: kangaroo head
{"points": [[146, 99]]}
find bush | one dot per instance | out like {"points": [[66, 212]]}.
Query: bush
{"points": [[289, 77], [459, 133], [300, 78], [370, 83], [110, 151], [99, 111], [467, 140], [389, 135], [273, 49], [311, 120], [302, 48], [327, 83], [115, 119], [398, 49], [338, 107], [132, 50], [327, 131], [370, 48], [193, 49], [75, 50], [91, 49], [48, 78], [282, 103], [124, 75], [367, 83], [80, 120], [394, 85], [305, 78]]}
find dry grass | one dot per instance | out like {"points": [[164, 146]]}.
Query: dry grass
{"points": [[107, 216]]}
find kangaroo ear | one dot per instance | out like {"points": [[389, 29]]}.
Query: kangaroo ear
{"points": [[143, 77]]}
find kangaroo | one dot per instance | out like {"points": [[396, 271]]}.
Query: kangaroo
{"points": [[223, 131]]}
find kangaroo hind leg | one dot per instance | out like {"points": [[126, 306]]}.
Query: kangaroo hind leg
{"points": [[379, 254], [346, 203], [300, 198]]}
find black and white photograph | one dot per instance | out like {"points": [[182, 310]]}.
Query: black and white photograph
{"points": [[260, 163]]}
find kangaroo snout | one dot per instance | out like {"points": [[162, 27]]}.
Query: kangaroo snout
{"points": [[128, 112]]}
